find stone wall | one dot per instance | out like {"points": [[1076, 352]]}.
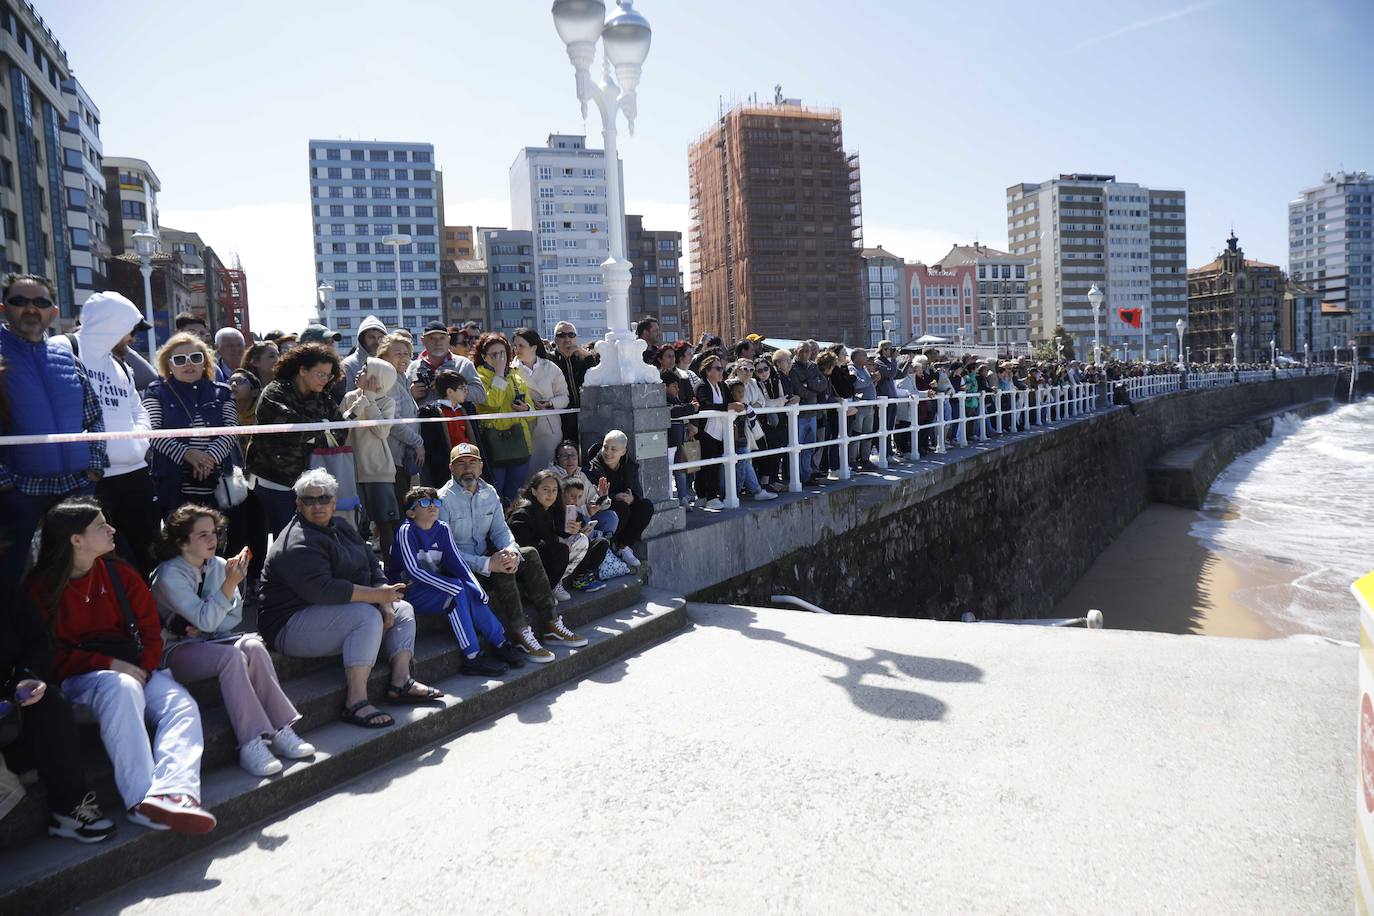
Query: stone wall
{"points": [[1003, 530]]}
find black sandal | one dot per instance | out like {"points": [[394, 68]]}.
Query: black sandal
{"points": [[402, 693], [350, 715]]}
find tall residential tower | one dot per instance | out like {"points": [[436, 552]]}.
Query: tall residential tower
{"points": [[1331, 249], [361, 193], [776, 227], [1129, 240]]}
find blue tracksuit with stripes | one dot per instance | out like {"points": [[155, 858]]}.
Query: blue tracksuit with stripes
{"points": [[441, 583]]}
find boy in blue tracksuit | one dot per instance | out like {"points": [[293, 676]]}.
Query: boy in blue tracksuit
{"points": [[424, 557]]}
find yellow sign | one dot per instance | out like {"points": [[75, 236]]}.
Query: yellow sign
{"points": [[1364, 792]]}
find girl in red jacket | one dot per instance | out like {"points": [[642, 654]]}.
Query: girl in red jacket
{"points": [[109, 647]]}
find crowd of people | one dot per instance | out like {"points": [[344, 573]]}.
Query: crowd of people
{"points": [[152, 549]]}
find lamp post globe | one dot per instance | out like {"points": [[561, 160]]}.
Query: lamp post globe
{"points": [[626, 37], [579, 20], [145, 246]]}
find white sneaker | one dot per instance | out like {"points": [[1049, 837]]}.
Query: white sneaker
{"points": [[701, 502], [714, 504], [286, 743], [140, 819], [560, 593], [256, 758], [628, 556], [762, 496]]}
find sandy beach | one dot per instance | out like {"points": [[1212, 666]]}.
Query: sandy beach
{"points": [[1157, 576]]}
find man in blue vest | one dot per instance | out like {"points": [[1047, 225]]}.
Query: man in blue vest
{"points": [[46, 391]]}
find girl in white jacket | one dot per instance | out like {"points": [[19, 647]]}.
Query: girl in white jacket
{"points": [[548, 391], [371, 452]]}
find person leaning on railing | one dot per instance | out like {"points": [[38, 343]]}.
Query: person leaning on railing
{"points": [[711, 395], [299, 394]]}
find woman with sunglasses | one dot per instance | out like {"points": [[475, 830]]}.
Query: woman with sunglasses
{"points": [[712, 395], [197, 595], [184, 397]]}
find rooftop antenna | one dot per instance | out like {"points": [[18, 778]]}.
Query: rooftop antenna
{"points": [[777, 94]]}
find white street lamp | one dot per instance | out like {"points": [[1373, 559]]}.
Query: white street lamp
{"points": [[145, 245], [887, 329], [323, 292], [1235, 360], [1306, 356], [396, 241], [1178, 326], [1059, 348], [625, 39], [1095, 300], [960, 334], [1273, 354]]}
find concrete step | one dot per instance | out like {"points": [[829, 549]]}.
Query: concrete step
{"points": [[50, 875], [315, 686]]}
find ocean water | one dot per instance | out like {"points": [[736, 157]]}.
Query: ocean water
{"points": [[1304, 501]]}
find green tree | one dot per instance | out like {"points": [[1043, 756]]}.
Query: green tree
{"points": [[1047, 349]]}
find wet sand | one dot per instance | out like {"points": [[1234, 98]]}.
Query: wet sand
{"points": [[1156, 576]]}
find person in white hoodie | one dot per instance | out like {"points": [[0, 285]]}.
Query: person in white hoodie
{"points": [[371, 453], [126, 493]]}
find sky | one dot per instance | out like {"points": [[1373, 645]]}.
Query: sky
{"points": [[1241, 103]]}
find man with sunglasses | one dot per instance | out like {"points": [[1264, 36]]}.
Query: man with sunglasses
{"points": [[573, 362], [47, 391], [438, 355]]}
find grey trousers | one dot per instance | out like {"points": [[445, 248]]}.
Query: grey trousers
{"points": [[353, 630]]}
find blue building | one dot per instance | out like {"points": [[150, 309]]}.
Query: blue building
{"points": [[361, 193]]}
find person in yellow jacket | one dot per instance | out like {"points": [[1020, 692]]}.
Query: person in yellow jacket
{"points": [[506, 442]]}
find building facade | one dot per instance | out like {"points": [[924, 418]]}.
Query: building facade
{"points": [[888, 297], [558, 195], [942, 302], [465, 292], [1000, 318], [33, 211], [1234, 295], [171, 288], [87, 221], [510, 259], [131, 189], [361, 193], [1331, 249], [656, 283], [459, 243], [776, 226], [1079, 230]]}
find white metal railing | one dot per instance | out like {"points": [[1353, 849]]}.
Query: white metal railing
{"points": [[955, 420]]}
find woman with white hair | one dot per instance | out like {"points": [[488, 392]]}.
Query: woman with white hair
{"points": [[323, 593], [632, 509]]}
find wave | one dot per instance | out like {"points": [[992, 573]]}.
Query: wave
{"points": [[1297, 501]]}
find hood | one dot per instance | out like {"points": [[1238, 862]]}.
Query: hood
{"points": [[370, 323], [105, 319], [382, 370]]}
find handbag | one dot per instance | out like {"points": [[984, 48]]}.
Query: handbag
{"points": [[232, 488], [338, 461], [506, 446], [612, 567], [689, 450]]}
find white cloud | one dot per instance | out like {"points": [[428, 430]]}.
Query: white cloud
{"points": [[1148, 22], [273, 241]]}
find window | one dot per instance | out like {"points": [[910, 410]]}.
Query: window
{"points": [[360, 229], [407, 286], [128, 209], [71, 158], [338, 248], [420, 156], [340, 267], [422, 175], [424, 212], [402, 211], [80, 238], [381, 210], [384, 193], [363, 267], [335, 173], [378, 155], [332, 155], [336, 210], [399, 156], [360, 210], [424, 248], [356, 155], [358, 174], [363, 248], [545, 173], [402, 175], [76, 199], [381, 174], [429, 284], [336, 192], [407, 267], [84, 277]]}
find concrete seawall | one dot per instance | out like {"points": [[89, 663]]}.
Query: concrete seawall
{"points": [[1182, 476], [1003, 529]]}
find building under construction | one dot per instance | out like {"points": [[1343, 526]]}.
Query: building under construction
{"points": [[776, 226]]}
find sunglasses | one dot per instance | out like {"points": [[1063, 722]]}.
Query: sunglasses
{"points": [[566, 334], [20, 302], [195, 359], [426, 502], [322, 500]]}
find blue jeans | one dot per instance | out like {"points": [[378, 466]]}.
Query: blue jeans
{"points": [[278, 507], [20, 515], [744, 471], [806, 433], [508, 479]]}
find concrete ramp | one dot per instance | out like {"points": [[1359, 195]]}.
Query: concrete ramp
{"points": [[773, 761]]}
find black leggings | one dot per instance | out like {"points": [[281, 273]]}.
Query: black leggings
{"points": [[707, 483], [48, 742], [633, 519]]}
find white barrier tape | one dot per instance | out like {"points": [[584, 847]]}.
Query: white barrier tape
{"points": [[205, 431]]}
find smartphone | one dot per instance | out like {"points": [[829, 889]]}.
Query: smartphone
{"points": [[21, 694], [589, 526], [570, 514]]}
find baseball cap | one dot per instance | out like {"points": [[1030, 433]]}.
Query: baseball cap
{"points": [[464, 450], [142, 326], [435, 327], [318, 333]]}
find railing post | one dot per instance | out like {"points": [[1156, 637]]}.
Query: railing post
{"points": [[794, 449], [844, 439], [882, 433], [960, 432], [731, 481], [940, 404]]}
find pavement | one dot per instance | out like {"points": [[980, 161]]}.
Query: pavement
{"points": [[773, 761]]}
